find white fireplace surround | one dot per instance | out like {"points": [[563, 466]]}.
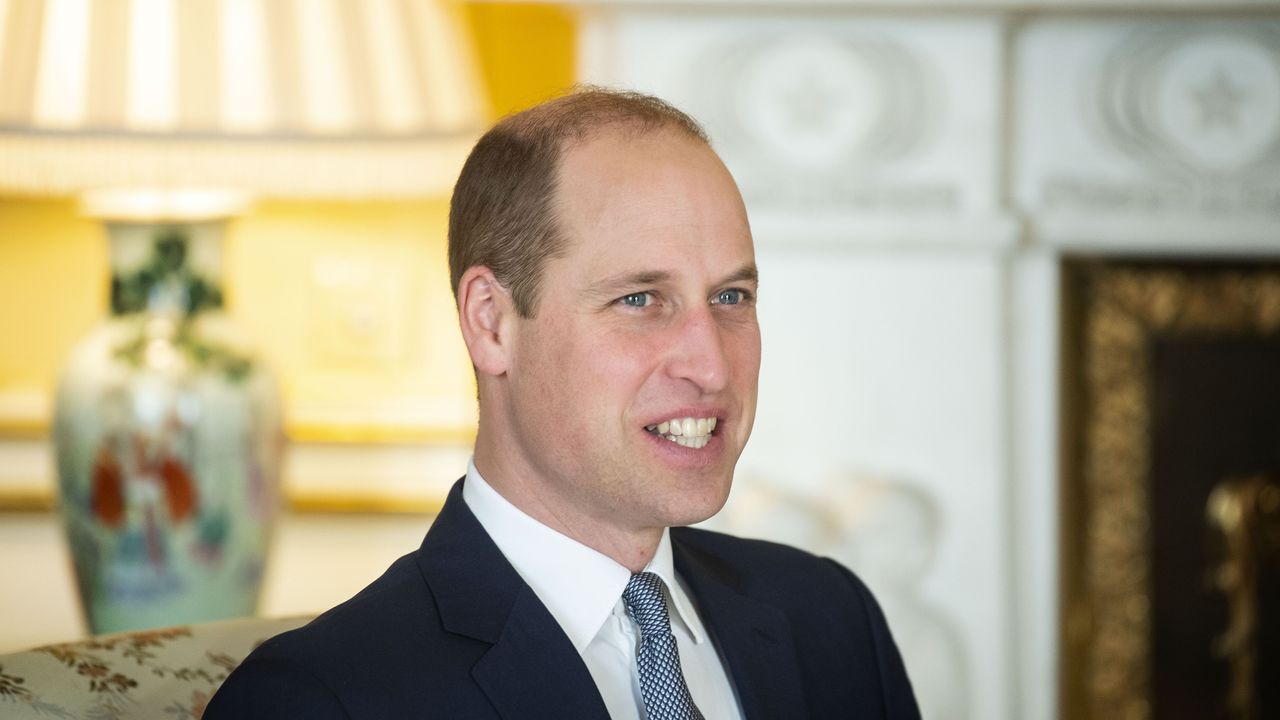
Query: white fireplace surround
{"points": [[916, 173]]}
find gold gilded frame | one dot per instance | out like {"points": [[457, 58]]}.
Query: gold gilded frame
{"points": [[1113, 311]]}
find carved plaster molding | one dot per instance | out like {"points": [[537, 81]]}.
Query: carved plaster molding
{"points": [[1197, 101], [810, 119], [1152, 119]]}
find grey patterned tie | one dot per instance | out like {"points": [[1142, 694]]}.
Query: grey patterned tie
{"points": [[666, 697]]}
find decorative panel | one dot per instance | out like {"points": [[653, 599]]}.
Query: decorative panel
{"points": [[1167, 120], [885, 122]]}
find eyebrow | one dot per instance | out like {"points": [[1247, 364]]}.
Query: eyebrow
{"points": [[614, 283], [746, 273]]}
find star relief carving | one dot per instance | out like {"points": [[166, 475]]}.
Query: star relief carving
{"points": [[813, 103], [1219, 100]]}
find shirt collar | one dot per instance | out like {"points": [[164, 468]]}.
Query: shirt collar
{"points": [[663, 565], [578, 585]]}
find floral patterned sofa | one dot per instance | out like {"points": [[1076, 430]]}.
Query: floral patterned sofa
{"points": [[166, 673]]}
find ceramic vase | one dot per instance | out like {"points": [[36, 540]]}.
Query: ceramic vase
{"points": [[168, 441]]}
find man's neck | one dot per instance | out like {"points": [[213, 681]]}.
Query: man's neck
{"points": [[633, 548]]}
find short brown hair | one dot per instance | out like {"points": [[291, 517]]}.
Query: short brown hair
{"points": [[502, 214]]}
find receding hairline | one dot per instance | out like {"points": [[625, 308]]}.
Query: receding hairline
{"points": [[587, 111], [609, 124], [533, 144]]}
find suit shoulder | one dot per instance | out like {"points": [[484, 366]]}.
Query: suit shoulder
{"points": [[385, 645], [299, 673], [382, 607], [764, 562], [275, 688], [732, 544], [381, 651], [838, 627], [754, 555]]}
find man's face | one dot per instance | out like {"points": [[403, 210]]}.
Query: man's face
{"points": [[633, 387]]}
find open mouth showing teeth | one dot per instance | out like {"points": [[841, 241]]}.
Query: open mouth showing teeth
{"points": [[688, 432]]}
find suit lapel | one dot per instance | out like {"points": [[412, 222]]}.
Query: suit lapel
{"points": [[754, 638], [531, 669]]}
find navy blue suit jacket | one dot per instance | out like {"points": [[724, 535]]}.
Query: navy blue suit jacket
{"points": [[451, 631]]}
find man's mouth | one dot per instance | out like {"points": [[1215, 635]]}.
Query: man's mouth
{"points": [[688, 432]]}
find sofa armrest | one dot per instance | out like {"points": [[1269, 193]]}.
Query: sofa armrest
{"points": [[164, 673]]}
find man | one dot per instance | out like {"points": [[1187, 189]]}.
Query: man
{"points": [[606, 281]]}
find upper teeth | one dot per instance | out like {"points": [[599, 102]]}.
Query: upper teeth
{"points": [[690, 432]]}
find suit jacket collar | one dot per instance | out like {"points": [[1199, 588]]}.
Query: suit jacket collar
{"points": [[754, 638], [531, 668]]}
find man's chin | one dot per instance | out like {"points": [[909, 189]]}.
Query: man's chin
{"points": [[693, 508]]}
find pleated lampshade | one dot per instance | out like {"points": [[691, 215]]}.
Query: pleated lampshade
{"points": [[281, 98]]}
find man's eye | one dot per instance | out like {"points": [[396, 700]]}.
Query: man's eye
{"points": [[731, 297], [640, 299]]}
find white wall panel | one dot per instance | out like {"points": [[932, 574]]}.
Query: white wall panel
{"points": [[886, 367]]}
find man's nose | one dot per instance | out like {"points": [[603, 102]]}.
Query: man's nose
{"points": [[699, 352]]}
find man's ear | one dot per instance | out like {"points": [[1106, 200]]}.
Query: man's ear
{"points": [[485, 314]]}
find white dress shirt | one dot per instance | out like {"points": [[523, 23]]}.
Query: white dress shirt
{"points": [[583, 590]]}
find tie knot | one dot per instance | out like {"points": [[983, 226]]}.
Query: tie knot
{"points": [[647, 605]]}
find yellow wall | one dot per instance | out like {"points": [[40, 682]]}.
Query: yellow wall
{"points": [[526, 52], [351, 303], [53, 288], [381, 328]]}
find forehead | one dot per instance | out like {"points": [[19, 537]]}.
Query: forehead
{"points": [[659, 197]]}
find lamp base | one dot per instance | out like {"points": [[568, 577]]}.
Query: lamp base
{"points": [[168, 440]]}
